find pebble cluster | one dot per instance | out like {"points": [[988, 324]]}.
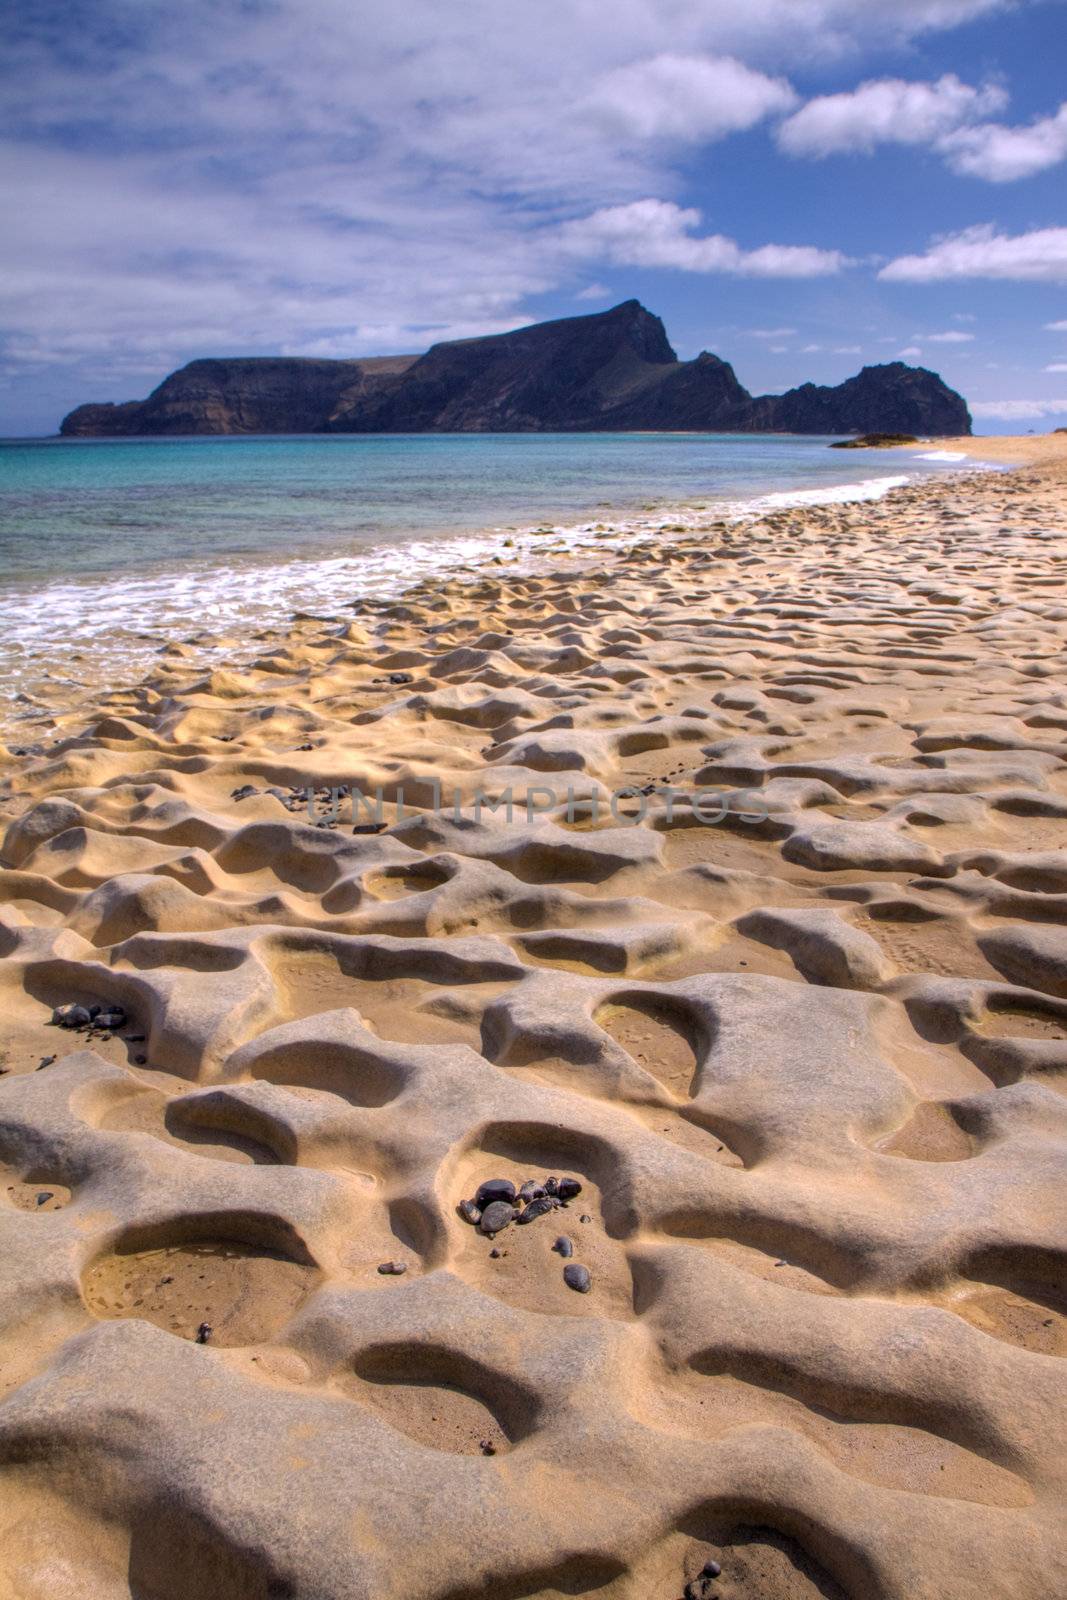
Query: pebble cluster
{"points": [[498, 1203]]}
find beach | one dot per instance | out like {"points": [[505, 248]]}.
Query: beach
{"points": [[709, 880]]}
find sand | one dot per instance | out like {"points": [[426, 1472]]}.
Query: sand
{"points": [[792, 1009]]}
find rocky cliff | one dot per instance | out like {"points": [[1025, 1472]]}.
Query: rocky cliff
{"points": [[613, 370]]}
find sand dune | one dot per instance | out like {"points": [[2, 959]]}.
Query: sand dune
{"points": [[791, 1009]]}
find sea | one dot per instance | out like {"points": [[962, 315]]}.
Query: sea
{"points": [[111, 548]]}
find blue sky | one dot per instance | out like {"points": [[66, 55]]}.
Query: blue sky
{"points": [[802, 186]]}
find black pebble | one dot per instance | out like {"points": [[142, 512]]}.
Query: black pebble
{"points": [[710, 1569], [575, 1276], [204, 1332], [393, 1269], [539, 1208], [470, 1212], [487, 1447], [531, 1190], [585, 1217], [140, 1061], [494, 1189], [497, 1216], [568, 1188], [44, 1197], [551, 1185], [495, 1254], [564, 1246], [369, 827]]}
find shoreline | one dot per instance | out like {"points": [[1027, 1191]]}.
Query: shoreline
{"points": [[44, 683], [804, 1067]]}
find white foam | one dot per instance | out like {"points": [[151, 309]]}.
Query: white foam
{"points": [[840, 494], [943, 455]]}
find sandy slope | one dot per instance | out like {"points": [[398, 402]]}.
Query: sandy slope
{"points": [[808, 1065]]}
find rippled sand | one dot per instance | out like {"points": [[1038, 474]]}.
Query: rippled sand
{"points": [[807, 1062]]}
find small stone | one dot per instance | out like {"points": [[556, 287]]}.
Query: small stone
{"points": [[539, 1208], [111, 1019], [531, 1190], [710, 1569], [563, 1246], [551, 1185], [497, 1216], [393, 1269], [494, 1189], [244, 792], [569, 1188], [369, 827], [576, 1277], [470, 1212], [46, 1061], [204, 1332], [495, 1254], [72, 1016], [140, 1061], [44, 1197], [487, 1447], [585, 1217]]}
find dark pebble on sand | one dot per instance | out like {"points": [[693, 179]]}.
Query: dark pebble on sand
{"points": [[487, 1447], [204, 1332], [494, 1189], [495, 1254], [497, 1216], [531, 1190], [575, 1276], [44, 1197], [568, 1188], [72, 1016], [392, 1269], [564, 1245], [140, 1061], [369, 827], [539, 1208], [551, 1185], [470, 1212], [585, 1217]]}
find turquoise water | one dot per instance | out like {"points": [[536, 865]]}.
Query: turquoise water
{"points": [[116, 540]]}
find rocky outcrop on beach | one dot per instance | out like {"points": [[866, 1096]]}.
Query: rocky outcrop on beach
{"points": [[614, 370]]}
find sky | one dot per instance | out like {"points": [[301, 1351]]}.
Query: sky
{"points": [[804, 187]]}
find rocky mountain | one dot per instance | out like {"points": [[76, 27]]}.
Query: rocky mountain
{"points": [[614, 370]]}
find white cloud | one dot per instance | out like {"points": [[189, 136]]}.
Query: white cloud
{"points": [[1001, 154], [946, 338], [947, 115], [981, 252], [886, 111], [909, 353], [848, 349], [594, 291], [658, 233], [1056, 327], [770, 333], [1057, 366], [688, 99], [1018, 410]]}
